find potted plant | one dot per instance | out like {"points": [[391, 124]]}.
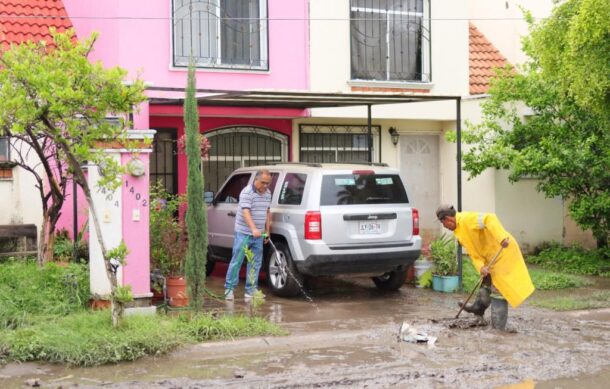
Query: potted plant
{"points": [[168, 244], [443, 252], [423, 265]]}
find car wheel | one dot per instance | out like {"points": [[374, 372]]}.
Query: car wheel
{"points": [[282, 276], [392, 280], [209, 266]]}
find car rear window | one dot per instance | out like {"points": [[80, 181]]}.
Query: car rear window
{"points": [[344, 189]]}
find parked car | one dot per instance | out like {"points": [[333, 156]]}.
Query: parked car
{"points": [[327, 219]]}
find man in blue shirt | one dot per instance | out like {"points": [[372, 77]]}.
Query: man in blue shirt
{"points": [[252, 220]]}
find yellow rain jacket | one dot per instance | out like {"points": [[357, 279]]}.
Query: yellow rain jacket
{"points": [[481, 234]]}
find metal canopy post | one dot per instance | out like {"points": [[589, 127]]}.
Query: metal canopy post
{"points": [[370, 132], [458, 125]]}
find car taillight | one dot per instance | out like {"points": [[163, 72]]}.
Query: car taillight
{"points": [[313, 225], [362, 172], [415, 222]]}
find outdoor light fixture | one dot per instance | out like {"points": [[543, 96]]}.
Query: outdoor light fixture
{"points": [[394, 135]]}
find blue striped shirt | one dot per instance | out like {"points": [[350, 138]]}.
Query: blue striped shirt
{"points": [[258, 204]]}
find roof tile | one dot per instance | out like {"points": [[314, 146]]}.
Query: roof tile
{"points": [[484, 57], [30, 20]]}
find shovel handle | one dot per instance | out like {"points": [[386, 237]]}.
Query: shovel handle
{"points": [[478, 283]]}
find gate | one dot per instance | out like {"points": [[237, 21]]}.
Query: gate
{"points": [[240, 146]]}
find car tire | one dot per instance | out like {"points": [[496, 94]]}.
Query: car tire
{"points": [[392, 280], [282, 276], [210, 264]]}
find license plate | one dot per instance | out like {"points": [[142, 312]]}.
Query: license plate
{"points": [[370, 228]]}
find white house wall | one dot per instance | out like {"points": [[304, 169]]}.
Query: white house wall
{"points": [[501, 21], [20, 198], [330, 48]]}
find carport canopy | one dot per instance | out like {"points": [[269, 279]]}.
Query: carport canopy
{"points": [[308, 99]]}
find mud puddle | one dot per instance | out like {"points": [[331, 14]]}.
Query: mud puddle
{"points": [[350, 339]]}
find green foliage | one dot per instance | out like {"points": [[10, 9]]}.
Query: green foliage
{"points": [[68, 108], [470, 275], [545, 280], [594, 301], [257, 299], [27, 290], [123, 294], [443, 252], [565, 144], [63, 249], [204, 327], [87, 339], [425, 280], [168, 238], [119, 253], [196, 215], [574, 259], [56, 102], [542, 279]]}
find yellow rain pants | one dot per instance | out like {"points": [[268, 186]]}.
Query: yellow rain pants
{"points": [[480, 234]]}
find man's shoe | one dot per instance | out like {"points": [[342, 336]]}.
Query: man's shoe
{"points": [[229, 295], [256, 293]]}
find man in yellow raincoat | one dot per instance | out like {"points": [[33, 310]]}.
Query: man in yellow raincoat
{"points": [[482, 235]]}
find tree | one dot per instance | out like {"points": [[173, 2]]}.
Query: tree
{"points": [[565, 143], [56, 102], [196, 214]]}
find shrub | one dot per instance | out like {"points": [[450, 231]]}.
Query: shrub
{"points": [[573, 259], [168, 236]]}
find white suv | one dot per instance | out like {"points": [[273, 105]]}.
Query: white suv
{"points": [[327, 219]]}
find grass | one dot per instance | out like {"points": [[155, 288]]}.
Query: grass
{"points": [[542, 279], [88, 339], [27, 290], [594, 301], [43, 317]]}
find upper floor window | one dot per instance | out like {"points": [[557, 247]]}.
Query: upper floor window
{"points": [[390, 40], [220, 33], [4, 149]]}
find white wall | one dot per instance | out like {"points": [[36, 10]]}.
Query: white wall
{"points": [[501, 21], [527, 214], [330, 47], [19, 198]]}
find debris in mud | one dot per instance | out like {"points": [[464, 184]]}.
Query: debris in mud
{"points": [[239, 374], [410, 334], [461, 323], [33, 382]]}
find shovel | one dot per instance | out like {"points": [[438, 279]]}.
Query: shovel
{"points": [[478, 283]]}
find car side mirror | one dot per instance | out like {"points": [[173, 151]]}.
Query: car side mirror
{"points": [[208, 197]]}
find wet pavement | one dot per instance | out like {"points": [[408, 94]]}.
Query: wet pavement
{"points": [[348, 337]]}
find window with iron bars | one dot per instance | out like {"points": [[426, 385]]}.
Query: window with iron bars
{"points": [[337, 143], [4, 149], [390, 40], [220, 33]]}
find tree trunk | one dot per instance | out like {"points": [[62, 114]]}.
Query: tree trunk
{"points": [[42, 240]]}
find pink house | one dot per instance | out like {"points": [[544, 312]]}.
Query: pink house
{"points": [[236, 44]]}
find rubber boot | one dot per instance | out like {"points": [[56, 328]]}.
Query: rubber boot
{"points": [[483, 300]]}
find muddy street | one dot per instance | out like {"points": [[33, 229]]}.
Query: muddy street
{"points": [[349, 338]]}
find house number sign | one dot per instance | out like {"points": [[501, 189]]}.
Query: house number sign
{"points": [[137, 195]]}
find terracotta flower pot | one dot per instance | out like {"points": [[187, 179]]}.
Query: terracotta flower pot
{"points": [[176, 291], [98, 304]]}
